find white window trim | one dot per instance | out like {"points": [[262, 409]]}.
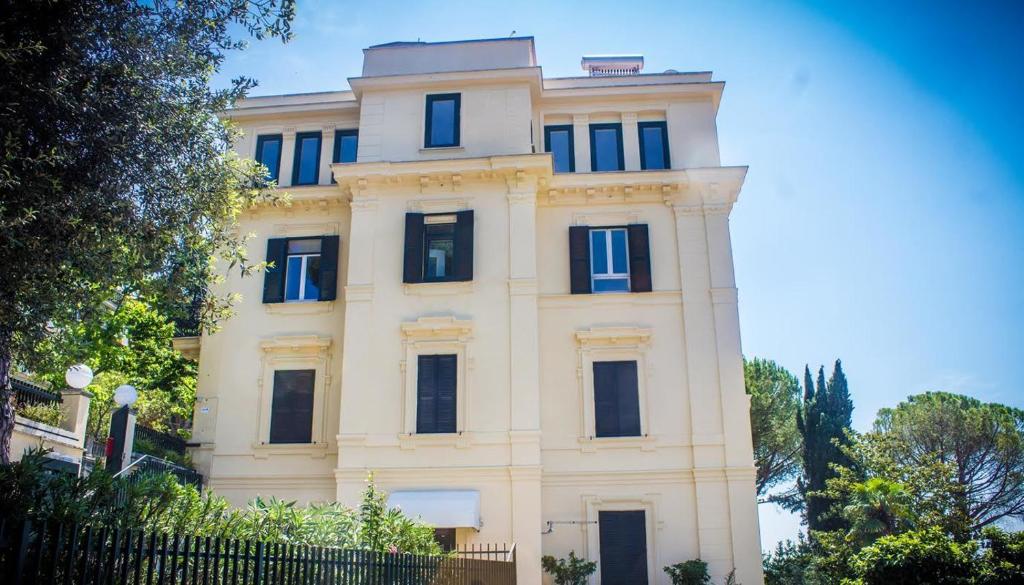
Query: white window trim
{"points": [[607, 344], [302, 280], [595, 504], [610, 275], [303, 352], [436, 336]]}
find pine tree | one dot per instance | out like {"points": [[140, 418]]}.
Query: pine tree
{"points": [[823, 421]]}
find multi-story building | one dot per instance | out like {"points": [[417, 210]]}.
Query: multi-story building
{"points": [[510, 297]]}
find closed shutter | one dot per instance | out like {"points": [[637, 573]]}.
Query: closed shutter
{"points": [[435, 394], [616, 399], [639, 259], [464, 246], [328, 268], [291, 410], [273, 277], [413, 265], [579, 260], [623, 540]]}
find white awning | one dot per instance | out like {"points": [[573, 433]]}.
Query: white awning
{"points": [[440, 508]]}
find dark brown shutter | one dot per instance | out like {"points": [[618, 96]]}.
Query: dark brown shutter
{"points": [[328, 268], [464, 245], [639, 259], [273, 277], [413, 271], [623, 541], [291, 410], [579, 260], [436, 394], [616, 399]]}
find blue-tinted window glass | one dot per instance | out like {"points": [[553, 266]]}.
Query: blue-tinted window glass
{"points": [[269, 155], [308, 159], [347, 148], [610, 285], [312, 276], [559, 144], [653, 138], [619, 262], [605, 142], [293, 275], [599, 252], [442, 122]]}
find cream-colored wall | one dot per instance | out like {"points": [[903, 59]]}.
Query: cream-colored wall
{"points": [[525, 344]]}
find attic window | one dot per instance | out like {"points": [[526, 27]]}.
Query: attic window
{"points": [[612, 65]]}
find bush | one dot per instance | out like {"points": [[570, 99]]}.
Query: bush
{"points": [[913, 558], [48, 414], [1003, 560], [789, 563], [573, 571], [693, 572]]}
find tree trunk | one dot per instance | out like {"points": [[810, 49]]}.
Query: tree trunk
{"points": [[7, 397]]}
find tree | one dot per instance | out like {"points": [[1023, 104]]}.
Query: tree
{"points": [[982, 443], [774, 401], [824, 423], [115, 172], [913, 558], [878, 507]]}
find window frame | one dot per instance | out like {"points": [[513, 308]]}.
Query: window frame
{"points": [[429, 119], [297, 157], [293, 352], [312, 405], [338, 135], [663, 126], [427, 237], [636, 385], [617, 126], [568, 128], [455, 393], [261, 140], [303, 266], [610, 275]]}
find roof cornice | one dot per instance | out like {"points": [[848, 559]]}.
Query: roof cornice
{"points": [[531, 75]]}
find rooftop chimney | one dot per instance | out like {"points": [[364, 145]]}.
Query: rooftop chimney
{"points": [[611, 65]]}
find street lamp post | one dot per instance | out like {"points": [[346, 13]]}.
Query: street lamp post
{"points": [[122, 429]]}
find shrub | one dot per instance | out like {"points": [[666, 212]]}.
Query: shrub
{"points": [[924, 556], [789, 563], [48, 414], [1003, 559], [571, 571], [693, 572]]}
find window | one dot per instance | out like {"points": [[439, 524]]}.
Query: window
{"points": [[438, 247], [304, 269], [442, 120], [306, 170], [268, 153], [653, 146], [558, 141], [435, 394], [291, 410], [616, 400], [606, 147], [346, 144], [445, 538], [609, 260], [623, 536]]}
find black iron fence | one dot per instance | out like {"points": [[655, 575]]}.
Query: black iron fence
{"points": [[147, 439], [71, 554], [148, 464], [29, 394]]}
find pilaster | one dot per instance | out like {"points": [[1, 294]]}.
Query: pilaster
{"points": [[581, 142], [630, 141], [326, 153], [284, 178]]}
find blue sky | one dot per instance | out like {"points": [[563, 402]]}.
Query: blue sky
{"points": [[882, 221]]}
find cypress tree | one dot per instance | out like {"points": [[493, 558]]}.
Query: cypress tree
{"points": [[823, 421]]}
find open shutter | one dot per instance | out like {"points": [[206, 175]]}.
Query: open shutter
{"points": [[464, 245], [413, 271], [579, 260], [273, 278], [639, 258], [328, 268], [623, 541]]}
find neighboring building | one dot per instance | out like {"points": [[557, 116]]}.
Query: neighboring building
{"points": [[65, 440], [513, 302]]}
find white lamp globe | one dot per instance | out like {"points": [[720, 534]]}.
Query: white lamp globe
{"points": [[78, 376], [125, 395]]}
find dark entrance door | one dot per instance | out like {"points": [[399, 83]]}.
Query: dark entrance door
{"points": [[623, 547]]}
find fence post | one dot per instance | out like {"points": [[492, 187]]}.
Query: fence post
{"points": [[122, 437]]}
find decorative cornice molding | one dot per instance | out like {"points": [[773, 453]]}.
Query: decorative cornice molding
{"points": [[441, 174], [437, 328], [613, 337], [296, 343]]}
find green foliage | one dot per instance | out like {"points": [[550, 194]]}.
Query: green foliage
{"points": [[916, 558], [774, 402], [116, 176], [49, 414], [571, 571], [982, 443], [789, 563], [694, 572], [878, 507], [824, 423], [158, 503], [1003, 559]]}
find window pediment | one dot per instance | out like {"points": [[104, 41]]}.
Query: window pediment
{"points": [[438, 329], [613, 337]]}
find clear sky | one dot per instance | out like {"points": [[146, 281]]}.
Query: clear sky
{"points": [[882, 221]]}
